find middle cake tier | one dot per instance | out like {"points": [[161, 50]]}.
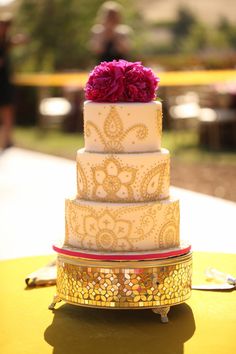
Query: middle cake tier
{"points": [[113, 227], [136, 177]]}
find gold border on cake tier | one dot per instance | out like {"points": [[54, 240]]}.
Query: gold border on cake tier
{"points": [[157, 284]]}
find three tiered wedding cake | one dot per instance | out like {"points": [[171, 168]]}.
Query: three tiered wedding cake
{"points": [[123, 211], [123, 179]]}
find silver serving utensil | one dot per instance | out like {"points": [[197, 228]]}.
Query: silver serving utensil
{"points": [[223, 281], [223, 286]]}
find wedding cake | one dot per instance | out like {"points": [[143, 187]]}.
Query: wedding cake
{"points": [[123, 206], [123, 178]]}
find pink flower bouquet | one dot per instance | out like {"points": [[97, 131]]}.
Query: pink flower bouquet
{"points": [[121, 81]]}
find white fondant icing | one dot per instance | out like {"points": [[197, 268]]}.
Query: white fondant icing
{"points": [[123, 177], [122, 127], [112, 227]]}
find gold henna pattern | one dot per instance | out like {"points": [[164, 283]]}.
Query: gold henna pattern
{"points": [[82, 186], [113, 131], [113, 182], [159, 123], [112, 228], [113, 126], [153, 182], [115, 179], [169, 235], [108, 232], [173, 211]]}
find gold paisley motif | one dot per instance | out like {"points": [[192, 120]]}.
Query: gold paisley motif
{"points": [[82, 186], [113, 132], [141, 131], [73, 221], [113, 127], [147, 224], [169, 235], [89, 126], [173, 212], [152, 183], [159, 123]]}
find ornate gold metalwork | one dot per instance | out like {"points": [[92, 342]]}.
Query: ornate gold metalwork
{"points": [[155, 284]]}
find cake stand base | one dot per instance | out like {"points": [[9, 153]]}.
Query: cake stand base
{"points": [[154, 284]]}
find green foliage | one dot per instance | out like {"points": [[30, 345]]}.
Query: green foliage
{"points": [[227, 31], [196, 39], [59, 32], [183, 25], [185, 21], [190, 37]]}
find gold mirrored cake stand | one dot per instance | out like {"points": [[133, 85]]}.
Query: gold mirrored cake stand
{"points": [[154, 280]]}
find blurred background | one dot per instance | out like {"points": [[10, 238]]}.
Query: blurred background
{"points": [[53, 44]]}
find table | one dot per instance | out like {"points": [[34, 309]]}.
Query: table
{"points": [[32, 188], [204, 324]]}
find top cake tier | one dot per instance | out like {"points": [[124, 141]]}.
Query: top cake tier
{"points": [[122, 127]]}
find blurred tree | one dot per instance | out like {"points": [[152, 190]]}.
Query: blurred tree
{"points": [[59, 32], [182, 26], [196, 40], [228, 31]]}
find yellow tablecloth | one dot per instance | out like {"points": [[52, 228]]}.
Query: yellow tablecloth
{"points": [[205, 324]]}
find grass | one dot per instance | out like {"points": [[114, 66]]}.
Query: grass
{"points": [[183, 145]]}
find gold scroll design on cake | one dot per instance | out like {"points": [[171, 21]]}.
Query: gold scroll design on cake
{"points": [[106, 232], [169, 233], [112, 181], [148, 223], [82, 185], [153, 182], [172, 213], [116, 230], [73, 219], [113, 132], [159, 122]]}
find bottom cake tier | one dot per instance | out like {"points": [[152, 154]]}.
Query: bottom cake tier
{"points": [[156, 284], [119, 227]]}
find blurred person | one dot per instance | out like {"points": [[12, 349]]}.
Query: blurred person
{"points": [[6, 88], [110, 39]]}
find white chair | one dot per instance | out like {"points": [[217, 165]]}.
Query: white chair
{"points": [[185, 112], [53, 111]]}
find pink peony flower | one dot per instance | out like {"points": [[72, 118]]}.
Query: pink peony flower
{"points": [[121, 81], [140, 83], [106, 82]]}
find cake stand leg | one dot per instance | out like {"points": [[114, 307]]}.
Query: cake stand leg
{"points": [[163, 311], [56, 299]]}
